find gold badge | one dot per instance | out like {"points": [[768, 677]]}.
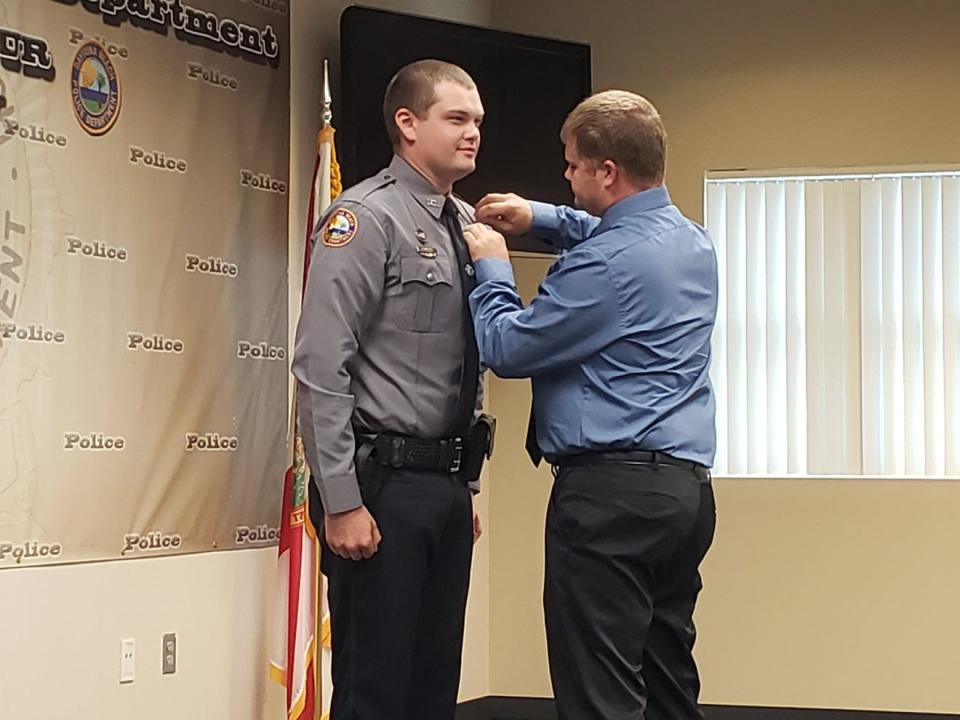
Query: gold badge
{"points": [[340, 228], [427, 251]]}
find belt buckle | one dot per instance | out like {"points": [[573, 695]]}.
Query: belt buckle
{"points": [[456, 444]]}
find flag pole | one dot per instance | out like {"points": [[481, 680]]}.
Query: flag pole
{"points": [[322, 623]]}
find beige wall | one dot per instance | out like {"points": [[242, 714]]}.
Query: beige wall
{"points": [[833, 593], [830, 593], [773, 83], [60, 632], [518, 501]]}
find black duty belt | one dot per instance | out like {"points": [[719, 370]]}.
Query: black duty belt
{"points": [[631, 457], [443, 455]]}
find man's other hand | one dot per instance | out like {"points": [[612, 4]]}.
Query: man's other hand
{"points": [[353, 535], [485, 242]]}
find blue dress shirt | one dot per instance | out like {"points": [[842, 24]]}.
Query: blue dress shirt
{"points": [[618, 340]]}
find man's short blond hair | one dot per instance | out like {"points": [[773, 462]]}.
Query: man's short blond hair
{"points": [[414, 87], [623, 127]]}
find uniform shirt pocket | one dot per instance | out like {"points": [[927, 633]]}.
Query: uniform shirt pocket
{"points": [[427, 302]]}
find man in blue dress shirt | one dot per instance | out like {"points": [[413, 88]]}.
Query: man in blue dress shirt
{"points": [[617, 343]]}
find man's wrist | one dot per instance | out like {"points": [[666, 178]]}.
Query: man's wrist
{"points": [[544, 216], [492, 269]]}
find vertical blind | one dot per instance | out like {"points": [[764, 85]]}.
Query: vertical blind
{"points": [[837, 346]]}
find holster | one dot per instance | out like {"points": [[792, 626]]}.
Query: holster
{"points": [[479, 448]]}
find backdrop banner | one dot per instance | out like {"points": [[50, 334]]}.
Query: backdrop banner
{"points": [[144, 153]]}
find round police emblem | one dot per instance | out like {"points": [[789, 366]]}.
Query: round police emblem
{"points": [[340, 228], [95, 88]]}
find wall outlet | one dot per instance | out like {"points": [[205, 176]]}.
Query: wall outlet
{"points": [[169, 653], [128, 660]]}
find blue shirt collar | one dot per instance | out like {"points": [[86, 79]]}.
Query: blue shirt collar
{"points": [[643, 201]]}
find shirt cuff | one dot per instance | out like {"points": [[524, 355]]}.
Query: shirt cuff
{"points": [[491, 269], [339, 495], [545, 217]]}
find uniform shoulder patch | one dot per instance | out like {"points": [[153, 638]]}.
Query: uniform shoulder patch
{"points": [[340, 229]]}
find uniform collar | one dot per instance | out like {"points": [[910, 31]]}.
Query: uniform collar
{"points": [[425, 193], [651, 199]]}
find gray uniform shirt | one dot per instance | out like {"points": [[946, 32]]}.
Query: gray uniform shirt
{"points": [[380, 341]]}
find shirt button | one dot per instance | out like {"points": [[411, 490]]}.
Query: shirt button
{"points": [[430, 276]]}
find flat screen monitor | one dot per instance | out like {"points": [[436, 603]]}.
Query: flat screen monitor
{"points": [[527, 84]]}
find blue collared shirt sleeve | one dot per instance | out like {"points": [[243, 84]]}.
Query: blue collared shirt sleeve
{"points": [[561, 227], [575, 314]]}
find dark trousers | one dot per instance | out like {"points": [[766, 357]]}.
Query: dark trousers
{"points": [[397, 618], [623, 547]]}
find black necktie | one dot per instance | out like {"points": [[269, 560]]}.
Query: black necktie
{"points": [[470, 373], [532, 446]]}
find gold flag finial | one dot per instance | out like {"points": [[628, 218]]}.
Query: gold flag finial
{"points": [[327, 114]]}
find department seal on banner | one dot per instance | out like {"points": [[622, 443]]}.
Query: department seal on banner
{"points": [[95, 88]]}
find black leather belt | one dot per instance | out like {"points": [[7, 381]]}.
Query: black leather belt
{"points": [[630, 457], [443, 455]]}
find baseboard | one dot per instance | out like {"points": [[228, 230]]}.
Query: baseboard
{"points": [[507, 708], [521, 708], [731, 712]]}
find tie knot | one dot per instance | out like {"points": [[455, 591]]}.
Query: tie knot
{"points": [[450, 208]]}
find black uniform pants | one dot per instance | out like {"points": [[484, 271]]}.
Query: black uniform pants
{"points": [[397, 618], [623, 547]]}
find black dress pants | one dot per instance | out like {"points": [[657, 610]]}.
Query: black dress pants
{"points": [[397, 618], [623, 548]]}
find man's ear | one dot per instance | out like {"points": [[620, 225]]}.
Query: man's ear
{"points": [[609, 172], [406, 123]]}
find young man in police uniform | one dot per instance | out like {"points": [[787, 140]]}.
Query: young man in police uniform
{"points": [[389, 406]]}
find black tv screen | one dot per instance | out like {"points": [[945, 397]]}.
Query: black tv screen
{"points": [[527, 84]]}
